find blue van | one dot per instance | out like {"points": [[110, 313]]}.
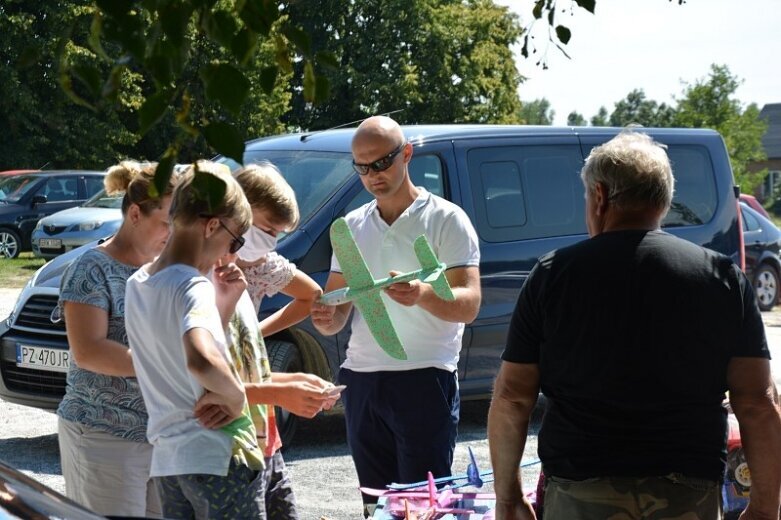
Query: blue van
{"points": [[520, 185]]}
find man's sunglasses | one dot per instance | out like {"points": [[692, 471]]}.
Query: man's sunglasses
{"points": [[380, 165], [237, 242]]}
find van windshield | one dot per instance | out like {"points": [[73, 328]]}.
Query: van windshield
{"points": [[314, 176]]}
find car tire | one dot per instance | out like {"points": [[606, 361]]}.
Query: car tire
{"points": [[10, 243], [284, 357], [766, 286]]}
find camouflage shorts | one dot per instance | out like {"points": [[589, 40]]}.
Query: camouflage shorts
{"points": [[673, 497]]}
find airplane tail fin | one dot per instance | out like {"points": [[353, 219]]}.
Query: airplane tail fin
{"points": [[428, 260], [472, 471]]}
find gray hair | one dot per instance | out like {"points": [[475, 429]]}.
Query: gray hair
{"points": [[634, 169]]}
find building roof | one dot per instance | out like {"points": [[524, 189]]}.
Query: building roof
{"points": [[771, 141]]}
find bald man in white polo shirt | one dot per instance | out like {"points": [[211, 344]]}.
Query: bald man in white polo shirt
{"points": [[402, 415]]}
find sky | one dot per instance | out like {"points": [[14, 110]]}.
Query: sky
{"points": [[655, 45]]}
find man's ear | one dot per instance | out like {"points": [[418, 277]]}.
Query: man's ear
{"points": [[600, 198], [407, 153]]}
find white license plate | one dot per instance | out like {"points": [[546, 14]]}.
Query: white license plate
{"points": [[42, 358], [50, 243]]}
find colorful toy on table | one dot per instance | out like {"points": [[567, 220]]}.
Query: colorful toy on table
{"points": [[422, 500], [364, 291]]}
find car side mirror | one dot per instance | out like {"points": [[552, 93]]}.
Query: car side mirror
{"points": [[39, 199]]}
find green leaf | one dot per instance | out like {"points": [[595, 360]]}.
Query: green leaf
{"points": [[243, 45], [152, 111], [226, 84], [165, 167], [174, 18], [159, 66], [259, 15], [89, 76], [327, 60], [96, 28], [111, 86], [268, 77], [209, 188], [537, 11], [282, 54], [300, 39], [563, 34], [309, 82], [28, 57], [64, 79], [226, 140], [322, 89], [115, 8], [220, 26], [588, 5]]}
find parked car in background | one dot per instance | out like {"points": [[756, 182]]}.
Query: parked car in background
{"points": [[16, 172], [26, 198], [70, 228], [754, 204], [762, 242], [519, 185]]}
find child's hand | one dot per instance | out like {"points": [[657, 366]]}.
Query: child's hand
{"points": [[322, 315], [229, 284], [214, 411], [303, 399]]}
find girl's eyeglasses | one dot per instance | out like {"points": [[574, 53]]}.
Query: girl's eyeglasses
{"points": [[380, 165]]}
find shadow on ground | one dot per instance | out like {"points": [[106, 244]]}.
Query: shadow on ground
{"points": [[34, 454]]}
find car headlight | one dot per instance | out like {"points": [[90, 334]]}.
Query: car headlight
{"points": [[39, 225], [89, 226]]}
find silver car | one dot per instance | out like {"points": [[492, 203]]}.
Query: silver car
{"points": [[66, 230]]}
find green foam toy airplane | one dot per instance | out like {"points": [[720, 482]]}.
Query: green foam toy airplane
{"points": [[364, 291]]}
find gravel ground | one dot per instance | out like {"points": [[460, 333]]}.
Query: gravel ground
{"points": [[323, 475]]}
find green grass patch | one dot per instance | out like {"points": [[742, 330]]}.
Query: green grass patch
{"points": [[14, 272]]}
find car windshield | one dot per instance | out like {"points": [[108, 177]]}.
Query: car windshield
{"points": [[14, 187], [314, 176], [103, 200]]}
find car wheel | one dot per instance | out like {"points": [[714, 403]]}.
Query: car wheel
{"points": [[284, 357], [10, 243], [766, 287]]}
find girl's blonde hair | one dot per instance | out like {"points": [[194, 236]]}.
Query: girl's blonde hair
{"points": [[267, 189], [134, 178], [188, 205]]}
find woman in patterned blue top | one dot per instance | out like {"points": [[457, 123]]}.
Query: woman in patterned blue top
{"points": [[102, 419]]}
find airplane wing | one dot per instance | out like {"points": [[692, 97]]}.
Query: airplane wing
{"points": [[424, 494], [376, 316], [358, 276], [354, 268]]}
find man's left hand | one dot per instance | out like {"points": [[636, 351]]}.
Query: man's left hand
{"points": [[405, 293]]}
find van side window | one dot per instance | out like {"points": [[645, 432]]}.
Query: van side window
{"points": [[524, 192], [424, 171], [694, 200]]}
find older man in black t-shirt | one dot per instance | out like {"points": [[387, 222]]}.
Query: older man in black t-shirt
{"points": [[634, 336]]}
